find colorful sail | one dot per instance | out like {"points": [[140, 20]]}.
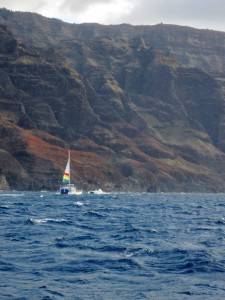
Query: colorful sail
{"points": [[67, 188], [66, 176]]}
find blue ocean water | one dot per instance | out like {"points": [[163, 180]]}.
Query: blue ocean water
{"points": [[112, 246]]}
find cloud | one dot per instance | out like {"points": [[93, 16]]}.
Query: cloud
{"points": [[80, 6], [100, 11], [22, 5], [200, 13], [195, 13]]}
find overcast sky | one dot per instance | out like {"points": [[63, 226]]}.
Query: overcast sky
{"points": [[195, 13]]}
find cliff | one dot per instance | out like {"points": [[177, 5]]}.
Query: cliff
{"points": [[140, 107]]}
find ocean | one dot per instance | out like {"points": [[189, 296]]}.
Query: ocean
{"points": [[112, 246]]}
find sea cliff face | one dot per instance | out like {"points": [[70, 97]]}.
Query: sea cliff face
{"points": [[140, 107]]}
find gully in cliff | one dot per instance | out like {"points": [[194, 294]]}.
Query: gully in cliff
{"points": [[67, 188]]}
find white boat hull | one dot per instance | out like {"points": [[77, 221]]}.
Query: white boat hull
{"points": [[96, 192]]}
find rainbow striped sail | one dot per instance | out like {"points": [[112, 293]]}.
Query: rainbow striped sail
{"points": [[66, 176], [67, 188]]}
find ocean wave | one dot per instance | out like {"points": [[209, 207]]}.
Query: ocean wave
{"points": [[188, 261], [139, 251], [4, 207], [220, 221], [79, 203], [8, 267], [11, 194], [48, 220], [139, 246], [93, 213], [92, 265]]}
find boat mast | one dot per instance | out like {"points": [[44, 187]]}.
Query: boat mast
{"points": [[69, 167]]}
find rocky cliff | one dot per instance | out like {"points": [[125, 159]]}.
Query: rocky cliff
{"points": [[140, 107]]}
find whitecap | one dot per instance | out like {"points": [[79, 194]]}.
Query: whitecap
{"points": [[4, 206], [78, 203], [11, 195], [139, 251], [46, 220]]}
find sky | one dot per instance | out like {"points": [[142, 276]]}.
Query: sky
{"points": [[203, 14]]}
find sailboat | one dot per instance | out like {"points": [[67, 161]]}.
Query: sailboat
{"points": [[67, 188]]}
